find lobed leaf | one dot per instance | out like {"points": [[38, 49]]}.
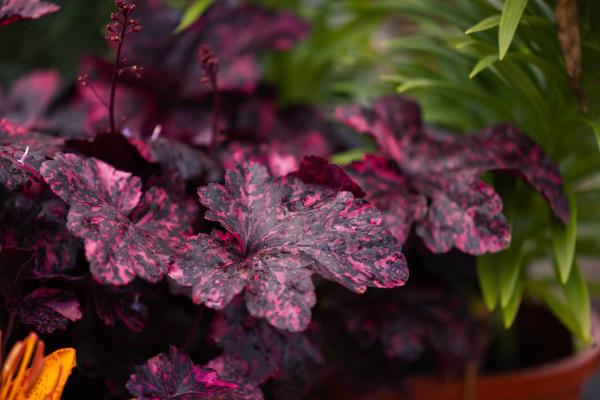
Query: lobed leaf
{"points": [[48, 309], [463, 211], [172, 375], [279, 232], [125, 235], [256, 352]]}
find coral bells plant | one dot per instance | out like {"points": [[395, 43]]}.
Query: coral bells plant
{"points": [[163, 215]]}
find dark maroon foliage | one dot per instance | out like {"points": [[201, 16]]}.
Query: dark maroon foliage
{"points": [[14, 10], [173, 376], [389, 191], [171, 172], [279, 233], [170, 91], [255, 352], [39, 226], [48, 309], [318, 171], [120, 305], [29, 98], [463, 211], [411, 322]]}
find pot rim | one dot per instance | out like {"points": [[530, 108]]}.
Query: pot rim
{"points": [[561, 379], [589, 356]]}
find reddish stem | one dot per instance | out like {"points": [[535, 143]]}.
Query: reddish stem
{"points": [[115, 75]]}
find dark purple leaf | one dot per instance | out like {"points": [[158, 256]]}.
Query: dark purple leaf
{"points": [[464, 212], [254, 351], [390, 192], [317, 170], [125, 235], [29, 98], [14, 10], [180, 163], [48, 309], [281, 155], [116, 150], [413, 321], [28, 223], [173, 376], [280, 232], [122, 304], [170, 92], [237, 34]]}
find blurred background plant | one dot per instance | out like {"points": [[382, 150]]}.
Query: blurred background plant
{"points": [[474, 63], [470, 64]]}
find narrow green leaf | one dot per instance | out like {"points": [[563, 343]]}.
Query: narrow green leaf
{"points": [[512, 11], [192, 13], [596, 127], [510, 272], [484, 24], [572, 305], [417, 83], [564, 238], [349, 156], [578, 301], [558, 308], [487, 272], [509, 312], [482, 64]]}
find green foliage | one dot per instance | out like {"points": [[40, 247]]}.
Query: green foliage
{"points": [[512, 11], [338, 61], [192, 12], [563, 240], [457, 63], [571, 305]]}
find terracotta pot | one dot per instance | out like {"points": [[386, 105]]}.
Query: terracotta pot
{"points": [[559, 380]]}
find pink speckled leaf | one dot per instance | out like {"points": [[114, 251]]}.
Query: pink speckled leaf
{"points": [[14, 10], [89, 181], [17, 173], [254, 351], [173, 376], [21, 155], [48, 309], [464, 212], [124, 236], [389, 191], [280, 231]]}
